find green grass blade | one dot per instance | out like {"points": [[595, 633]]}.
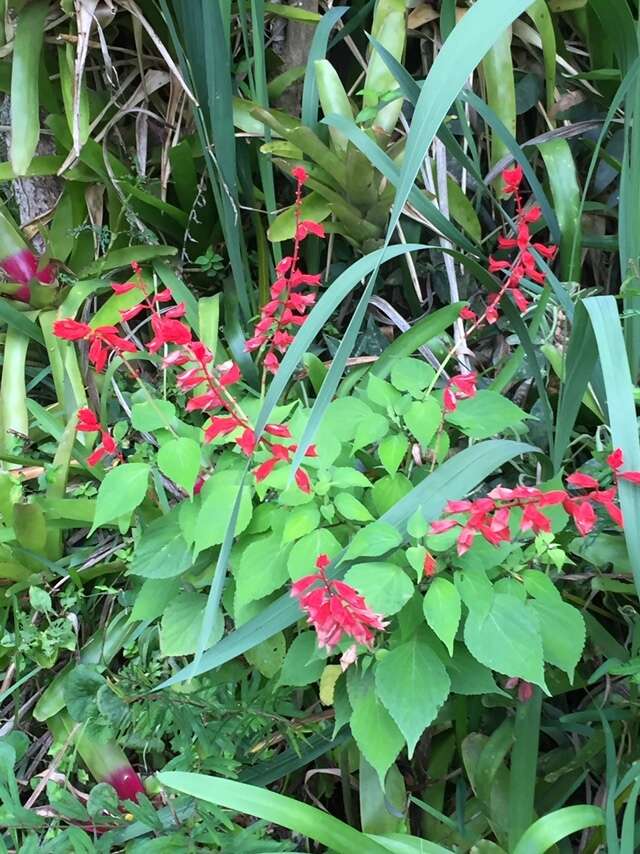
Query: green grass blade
{"points": [[524, 767], [561, 169], [454, 479], [603, 313], [296, 816], [546, 831]]}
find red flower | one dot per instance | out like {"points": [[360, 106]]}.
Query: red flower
{"points": [[303, 480], [300, 174], [615, 459], [87, 422], [335, 609], [280, 430], [512, 179], [220, 426], [582, 481], [247, 442], [167, 331], [123, 287], [308, 226], [458, 388], [71, 330], [631, 476], [429, 566], [468, 314]]}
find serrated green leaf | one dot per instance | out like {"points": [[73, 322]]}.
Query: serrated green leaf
{"points": [[442, 610]]}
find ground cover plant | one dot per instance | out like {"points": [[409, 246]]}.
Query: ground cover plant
{"points": [[319, 457]]}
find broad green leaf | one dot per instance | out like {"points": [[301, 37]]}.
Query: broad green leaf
{"points": [[153, 597], [374, 540], [180, 625], [392, 451], [485, 415], [121, 491], [219, 496], [302, 664], [507, 640], [442, 610], [300, 521], [389, 490], [423, 419], [314, 207], [303, 555], [344, 415], [373, 728], [263, 568], [370, 430], [80, 689], [381, 392], [385, 586], [412, 375], [267, 657], [179, 460], [349, 507], [162, 551], [152, 415], [412, 683], [468, 676], [475, 589], [563, 632]]}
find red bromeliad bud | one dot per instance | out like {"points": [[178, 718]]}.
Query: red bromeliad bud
{"points": [[126, 782]]}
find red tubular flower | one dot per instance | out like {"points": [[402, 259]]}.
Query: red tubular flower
{"points": [[87, 422], [335, 609], [247, 442], [300, 174], [615, 459], [458, 388], [582, 481], [221, 426], [71, 330], [303, 480], [167, 331], [429, 565], [512, 179]]}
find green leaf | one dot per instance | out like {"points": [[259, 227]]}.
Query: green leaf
{"points": [[102, 798], [314, 207], [302, 665], [385, 586], [263, 569], [507, 639], [300, 521], [180, 625], [376, 539], [423, 419], [267, 657], [412, 375], [563, 632], [303, 555], [392, 451], [412, 683], [475, 589], [370, 430], [351, 508], [121, 491], [485, 415], [219, 496], [468, 676], [551, 828], [381, 392], [80, 689], [153, 597], [442, 610], [389, 490], [152, 415], [179, 460], [373, 728], [344, 415], [162, 551]]}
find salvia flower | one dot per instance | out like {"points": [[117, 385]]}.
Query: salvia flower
{"points": [[460, 387], [336, 610], [103, 340], [88, 423], [286, 310]]}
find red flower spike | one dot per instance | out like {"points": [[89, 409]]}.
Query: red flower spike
{"points": [[87, 422], [335, 609], [300, 174], [468, 314], [307, 227], [512, 179], [123, 287], [323, 561]]}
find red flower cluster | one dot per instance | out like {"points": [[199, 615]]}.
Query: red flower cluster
{"points": [[286, 309], [524, 264], [334, 609], [490, 516], [459, 388], [102, 341], [88, 423]]}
